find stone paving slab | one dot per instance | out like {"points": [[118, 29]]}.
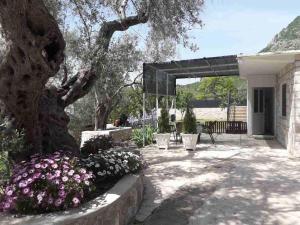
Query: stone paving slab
{"points": [[237, 181]]}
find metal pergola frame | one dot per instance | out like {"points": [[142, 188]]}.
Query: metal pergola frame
{"points": [[193, 68]]}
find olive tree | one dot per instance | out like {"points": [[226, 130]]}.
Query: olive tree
{"points": [[35, 49]]}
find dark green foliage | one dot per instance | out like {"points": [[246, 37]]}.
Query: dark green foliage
{"points": [[96, 144], [163, 121], [137, 136], [189, 122], [123, 119]]}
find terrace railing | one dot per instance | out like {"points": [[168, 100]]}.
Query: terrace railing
{"points": [[228, 127]]}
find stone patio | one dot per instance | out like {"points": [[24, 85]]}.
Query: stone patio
{"points": [[239, 180]]}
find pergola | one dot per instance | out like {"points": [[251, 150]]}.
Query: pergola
{"points": [[160, 78]]}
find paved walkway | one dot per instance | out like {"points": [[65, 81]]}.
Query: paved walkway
{"points": [[236, 181]]}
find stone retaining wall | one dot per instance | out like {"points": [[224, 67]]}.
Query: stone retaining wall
{"points": [[117, 207], [118, 134]]}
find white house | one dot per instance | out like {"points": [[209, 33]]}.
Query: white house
{"points": [[273, 96]]}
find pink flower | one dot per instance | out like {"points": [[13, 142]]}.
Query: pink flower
{"points": [[36, 175], [23, 184], [58, 202], [26, 191], [57, 173], [71, 172], [6, 205], [64, 178], [82, 171], [39, 198], [29, 180], [61, 187], [9, 192], [31, 194], [76, 201], [76, 176], [37, 166], [44, 165], [57, 181], [54, 166]]}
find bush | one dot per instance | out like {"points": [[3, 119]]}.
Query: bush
{"points": [[94, 145], [112, 164], [45, 184], [163, 121], [189, 122], [137, 136]]}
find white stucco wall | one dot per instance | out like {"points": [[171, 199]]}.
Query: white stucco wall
{"points": [[293, 134], [218, 114], [286, 76]]}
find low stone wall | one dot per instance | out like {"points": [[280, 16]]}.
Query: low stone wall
{"points": [[118, 134], [117, 207]]}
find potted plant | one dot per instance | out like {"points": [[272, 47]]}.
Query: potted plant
{"points": [[190, 135], [163, 135]]}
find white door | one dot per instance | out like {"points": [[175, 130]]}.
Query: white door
{"points": [[258, 122]]}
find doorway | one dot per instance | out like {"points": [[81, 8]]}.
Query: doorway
{"points": [[263, 111]]}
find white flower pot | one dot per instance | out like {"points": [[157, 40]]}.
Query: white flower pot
{"points": [[163, 140], [189, 141]]}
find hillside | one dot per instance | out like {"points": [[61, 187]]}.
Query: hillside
{"points": [[287, 39]]}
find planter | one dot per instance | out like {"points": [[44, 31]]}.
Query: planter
{"points": [[163, 140], [189, 141], [116, 207]]}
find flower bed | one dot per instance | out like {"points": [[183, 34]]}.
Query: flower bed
{"points": [[117, 207]]}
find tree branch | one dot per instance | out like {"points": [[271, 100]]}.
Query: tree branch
{"points": [[77, 87]]}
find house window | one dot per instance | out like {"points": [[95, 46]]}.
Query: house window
{"points": [[258, 100], [283, 100]]}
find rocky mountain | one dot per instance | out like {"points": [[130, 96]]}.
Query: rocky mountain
{"points": [[287, 39]]}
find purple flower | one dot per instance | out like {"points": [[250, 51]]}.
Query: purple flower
{"points": [[50, 200], [31, 194], [64, 178], [61, 187], [57, 181], [61, 193], [31, 171], [24, 174], [58, 202]]}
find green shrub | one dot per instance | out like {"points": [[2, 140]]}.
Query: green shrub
{"points": [[163, 121], [96, 144], [189, 122], [137, 136]]}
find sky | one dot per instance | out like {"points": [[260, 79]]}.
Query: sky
{"points": [[238, 26]]}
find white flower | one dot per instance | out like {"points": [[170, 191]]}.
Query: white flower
{"points": [[108, 172], [97, 165]]}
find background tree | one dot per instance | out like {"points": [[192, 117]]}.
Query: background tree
{"points": [[183, 99], [35, 51], [218, 88]]}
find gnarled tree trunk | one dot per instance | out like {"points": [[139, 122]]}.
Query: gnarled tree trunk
{"points": [[35, 52]]}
